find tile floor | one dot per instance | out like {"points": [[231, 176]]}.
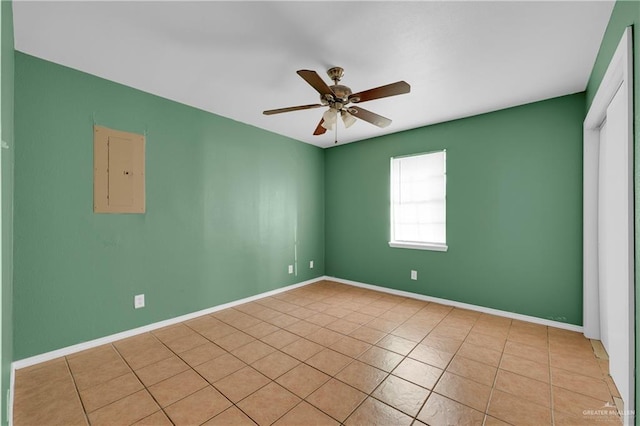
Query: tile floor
{"points": [[327, 354]]}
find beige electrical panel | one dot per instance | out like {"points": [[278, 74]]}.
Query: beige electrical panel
{"points": [[118, 171]]}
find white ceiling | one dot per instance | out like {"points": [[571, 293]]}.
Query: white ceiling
{"points": [[236, 59]]}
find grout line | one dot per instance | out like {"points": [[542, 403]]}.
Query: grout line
{"points": [[415, 417], [495, 379], [75, 386], [141, 382], [192, 369]]}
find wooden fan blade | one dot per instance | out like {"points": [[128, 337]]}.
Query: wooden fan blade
{"points": [[294, 108], [369, 116], [320, 130], [316, 82], [397, 88]]}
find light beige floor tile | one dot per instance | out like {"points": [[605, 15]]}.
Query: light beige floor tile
{"points": [[485, 340], [54, 402], [280, 338], [91, 377], [532, 353], [586, 385], [383, 325], [268, 404], [253, 351], [201, 354], [443, 411], [481, 354], [343, 326], [396, 344], [463, 390], [431, 356], [154, 373], [167, 334], [303, 328], [474, 370], [350, 346], [336, 399], [127, 410], [307, 415], [381, 358], [401, 394], [198, 407], [303, 380], [159, 418], [111, 391], [321, 319], [575, 403], [329, 361], [418, 372], [517, 411], [261, 329], [524, 387], [233, 340], [241, 384], [525, 367], [302, 349], [177, 387], [362, 376], [282, 320], [445, 344], [325, 337], [203, 323], [232, 416], [275, 364], [368, 334], [373, 412], [219, 367], [184, 343]]}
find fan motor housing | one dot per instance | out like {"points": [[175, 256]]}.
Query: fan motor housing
{"points": [[341, 93]]}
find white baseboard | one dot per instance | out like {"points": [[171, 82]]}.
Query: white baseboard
{"points": [[462, 305], [37, 359], [26, 362]]}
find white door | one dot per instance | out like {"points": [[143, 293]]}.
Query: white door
{"points": [[614, 243]]}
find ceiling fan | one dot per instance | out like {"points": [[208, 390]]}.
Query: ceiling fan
{"points": [[338, 97]]}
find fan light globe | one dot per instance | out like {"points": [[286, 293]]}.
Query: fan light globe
{"points": [[348, 119], [329, 118]]}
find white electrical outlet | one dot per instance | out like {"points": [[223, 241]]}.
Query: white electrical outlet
{"points": [[311, 264], [414, 275], [138, 301], [291, 269]]}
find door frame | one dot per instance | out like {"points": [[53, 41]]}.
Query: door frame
{"points": [[619, 76]]}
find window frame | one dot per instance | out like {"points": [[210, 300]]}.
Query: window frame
{"points": [[416, 245]]}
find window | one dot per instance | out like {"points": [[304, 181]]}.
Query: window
{"points": [[418, 201]]}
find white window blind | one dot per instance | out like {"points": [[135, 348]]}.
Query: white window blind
{"points": [[418, 201]]}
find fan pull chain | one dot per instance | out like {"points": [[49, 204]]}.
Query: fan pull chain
{"points": [[336, 133]]}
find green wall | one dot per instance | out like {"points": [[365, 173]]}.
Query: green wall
{"points": [[514, 209], [6, 200], [225, 202], [625, 13]]}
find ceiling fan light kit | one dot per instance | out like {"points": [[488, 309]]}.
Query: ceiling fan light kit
{"points": [[347, 119], [338, 96]]}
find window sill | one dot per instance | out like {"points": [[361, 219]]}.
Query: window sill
{"points": [[419, 246]]}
